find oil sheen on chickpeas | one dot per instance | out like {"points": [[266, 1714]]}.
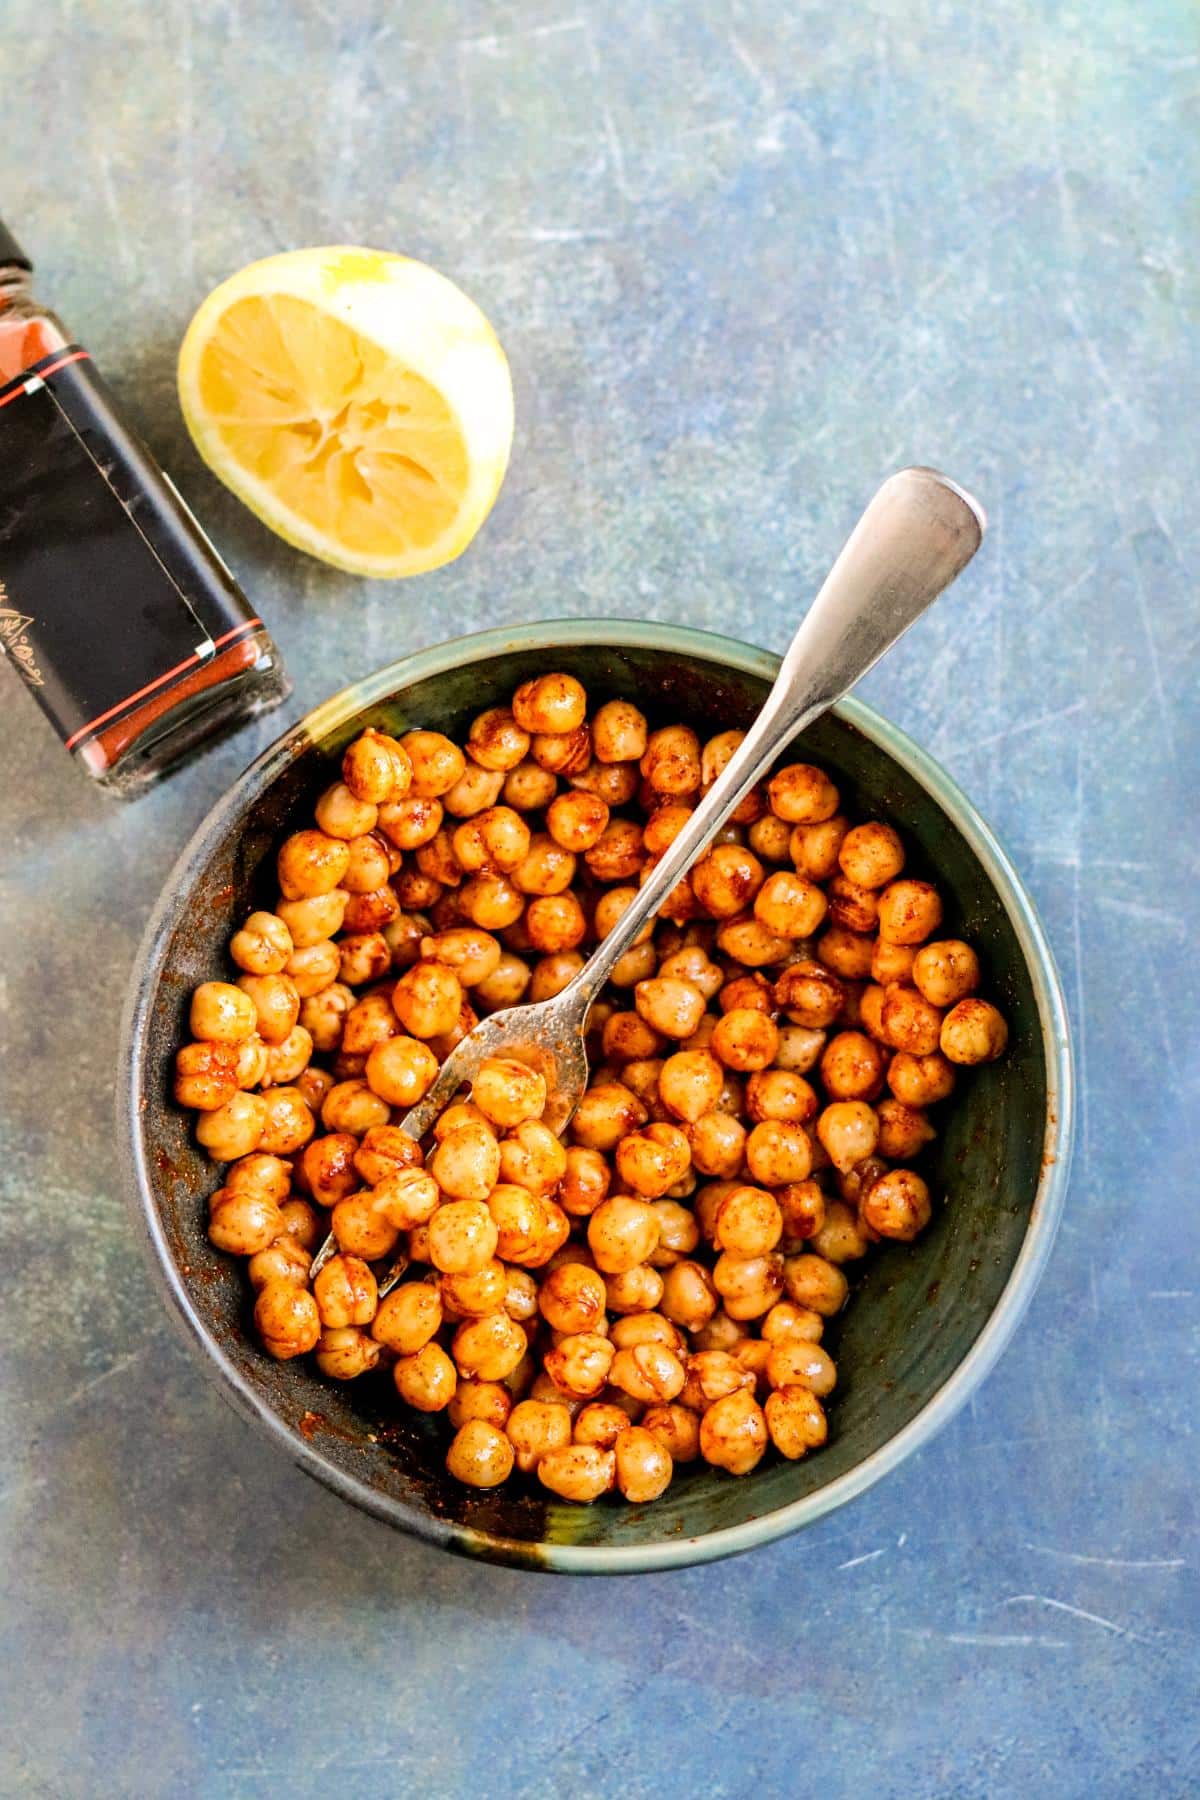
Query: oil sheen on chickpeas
{"points": [[766, 1068]]}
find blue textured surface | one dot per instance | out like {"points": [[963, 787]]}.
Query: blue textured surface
{"points": [[746, 259]]}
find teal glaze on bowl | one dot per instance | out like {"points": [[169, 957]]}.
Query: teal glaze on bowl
{"points": [[926, 1322]]}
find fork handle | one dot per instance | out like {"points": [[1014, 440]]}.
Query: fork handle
{"points": [[917, 534]]}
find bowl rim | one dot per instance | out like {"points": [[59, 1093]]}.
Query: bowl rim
{"points": [[993, 1338]]}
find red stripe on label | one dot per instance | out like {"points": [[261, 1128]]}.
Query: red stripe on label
{"points": [[36, 374], [187, 663]]}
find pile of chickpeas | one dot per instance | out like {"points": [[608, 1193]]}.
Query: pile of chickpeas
{"points": [[653, 1287]]}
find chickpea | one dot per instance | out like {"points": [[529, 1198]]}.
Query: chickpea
{"points": [[733, 1433], [363, 957], [579, 1364], [908, 912], [727, 879], [428, 999], [688, 1298], [376, 768], [678, 1232], [614, 783], [647, 1371], [549, 703], [717, 1143], [847, 953], [314, 1084], [780, 1094], [496, 740], [945, 972], [436, 763], [619, 733], [534, 1428], [810, 994], [711, 1374], [798, 1362], [856, 908], [909, 1022], [721, 1333], [621, 1233], [802, 1205], [488, 1348], [644, 1466], [572, 1298], [871, 855], [490, 901], [796, 1421], [288, 1123], [748, 941], [618, 852], [406, 1198], [671, 761], [506, 985], [427, 1379], [345, 1292], [634, 1290], [921, 1080], [242, 1223], [748, 1222], [487, 1400], [269, 1176], [533, 1158], [852, 1066], [745, 1039], [263, 944], [285, 1260], [284, 1062], [323, 1016], [474, 792], [677, 1430], [234, 1128], [276, 1002], [626, 1037], [372, 1021], [411, 822], [665, 823], [380, 907], [341, 814], [563, 752], [691, 963], [401, 1071], [472, 954], [814, 849], [480, 1455], [344, 1355], [221, 1013], [974, 1032], [897, 1205], [790, 905], [690, 1084], [840, 1238], [551, 974], [849, 1131], [869, 1008], [904, 1131], [408, 1317], [313, 969], [585, 1181], [748, 1285], [576, 820], [580, 1472], [816, 1284], [206, 1075], [555, 922], [528, 788], [652, 1160], [286, 1319], [370, 865], [605, 1115], [310, 862], [601, 1423], [362, 1229], [802, 795], [770, 838], [497, 838], [787, 1320], [351, 1106], [778, 1152], [462, 1236]]}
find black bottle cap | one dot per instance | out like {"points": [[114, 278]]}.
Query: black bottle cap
{"points": [[11, 254]]}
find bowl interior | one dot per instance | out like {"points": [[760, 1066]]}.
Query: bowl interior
{"points": [[915, 1310]]}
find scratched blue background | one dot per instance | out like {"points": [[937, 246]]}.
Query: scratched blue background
{"points": [[746, 259]]}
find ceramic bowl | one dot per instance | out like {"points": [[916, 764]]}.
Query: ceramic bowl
{"points": [[927, 1321]]}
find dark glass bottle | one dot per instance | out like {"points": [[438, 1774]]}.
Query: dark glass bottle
{"points": [[114, 607]]}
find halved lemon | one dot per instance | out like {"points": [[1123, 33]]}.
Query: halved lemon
{"points": [[358, 402]]}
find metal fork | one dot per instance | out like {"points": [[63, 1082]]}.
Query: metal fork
{"points": [[917, 534]]}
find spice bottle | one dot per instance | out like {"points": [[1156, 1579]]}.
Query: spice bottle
{"points": [[114, 607]]}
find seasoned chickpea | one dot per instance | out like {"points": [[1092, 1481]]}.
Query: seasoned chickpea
{"points": [[323, 1016], [626, 1037], [814, 849], [798, 1362], [534, 1428], [664, 825], [480, 1456], [282, 1063], [871, 855], [786, 1319], [579, 1364], [750, 990], [372, 1021], [345, 1354], [314, 1084], [411, 822], [475, 1296], [619, 733], [634, 1290], [618, 852], [678, 1232], [621, 1233], [428, 999], [780, 1094], [601, 1422], [206, 1075], [234, 1128], [363, 957], [532, 1156], [288, 1122], [790, 905], [816, 1284], [576, 820], [585, 1181], [745, 1039], [840, 1238], [849, 1131], [406, 1198], [748, 941], [778, 1151], [908, 1021], [579, 1472], [748, 1285], [436, 763], [462, 1235], [487, 1400], [727, 879], [770, 838], [555, 922], [472, 954], [380, 907], [847, 953], [688, 1298], [549, 703], [904, 1131], [721, 1333], [551, 974], [690, 1084], [489, 1348], [475, 790], [748, 1222], [852, 1066], [242, 1223], [259, 1174], [677, 1430], [276, 1002], [408, 1317], [909, 911], [974, 1032], [287, 1320], [313, 968], [614, 783], [644, 1466], [506, 985], [496, 740], [897, 1205], [376, 768], [385, 1150], [369, 867], [490, 901], [921, 1080], [711, 1374], [605, 1114], [345, 1292], [221, 1013], [717, 1143], [572, 1298], [310, 862], [529, 788], [802, 795], [856, 908], [427, 1379], [351, 1106], [361, 1229], [285, 1260], [341, 814], [263, 944], [497, 838], [796, 1421], [652, 1160], [802, 1204], [563, 752], [733, 1433], [647, 1371]]}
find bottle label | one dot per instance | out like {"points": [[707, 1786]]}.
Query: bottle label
{"points": [[109, 590]]}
